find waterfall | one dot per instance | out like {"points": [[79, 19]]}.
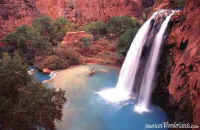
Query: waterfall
{"points": [[150, 69], [130, 77], [128, 71], [131, 62]]}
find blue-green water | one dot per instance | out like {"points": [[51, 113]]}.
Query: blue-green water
{"points": [[86, 110], [39, 76]]}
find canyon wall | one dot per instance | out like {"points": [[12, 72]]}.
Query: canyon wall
{"points": [[14, 13], [87, 10], [180, 84], [18, 12]]}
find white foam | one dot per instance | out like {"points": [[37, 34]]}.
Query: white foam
{"points": [[114, 95], [31, 71], [141, 109]]}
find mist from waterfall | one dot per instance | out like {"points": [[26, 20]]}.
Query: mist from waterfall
{"points": [[130, 78]]}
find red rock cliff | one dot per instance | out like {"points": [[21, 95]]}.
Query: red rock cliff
{"points": [[185, 77], [184, 82], [18, 12], [87, 10], [14, 13]]}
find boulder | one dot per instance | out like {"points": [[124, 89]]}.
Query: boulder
{"points": [[46, 70]]}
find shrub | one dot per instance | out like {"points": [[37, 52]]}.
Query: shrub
{"points": [[19, 40], [61, 26], [19, 37], [28, 41], [95, 28], [53, 31], [125, 41], [40, 45], [119, 24], [43, 25], [62, 58], [54, 62], [68, 54], [180, 4], [38, 40], [85, 41], [26, 104]]}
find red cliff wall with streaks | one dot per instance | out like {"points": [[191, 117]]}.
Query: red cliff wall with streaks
{"points": [[14, 13], [184, 68]]}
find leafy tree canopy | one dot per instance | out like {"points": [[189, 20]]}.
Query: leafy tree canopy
{"points": [[125, 41], [26, 104], [119, 24]]}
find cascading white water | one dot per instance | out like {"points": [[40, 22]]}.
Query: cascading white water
{"points": [[128, 71], [150, 69], [130, 65], [128, 75]]}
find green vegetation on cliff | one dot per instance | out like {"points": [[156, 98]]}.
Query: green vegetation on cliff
{"points": [[96, 28], [180, 3], [120, 24], [125, 41], [38, 39], [40, 44], [62, 58], [122, 27]]}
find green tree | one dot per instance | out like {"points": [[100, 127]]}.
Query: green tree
{"points": [[96, 28], [52, 31], [86, 42], [61, 26], [39, 45], [54, 62], [68, 54], [28, 42], [180, 4], [19, 38], [119, 24], [43, 25], [125, 41], [26, 104]]}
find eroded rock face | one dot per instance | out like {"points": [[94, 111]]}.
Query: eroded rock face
{"points": [[83, 11], [101, 51], [18, 12], [185, 77], [161, 4], [14, 13], [75, 37], [184, 68], [52, 8]]}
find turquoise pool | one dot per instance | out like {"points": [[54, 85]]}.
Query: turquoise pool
{"points": [[86, 110]]}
